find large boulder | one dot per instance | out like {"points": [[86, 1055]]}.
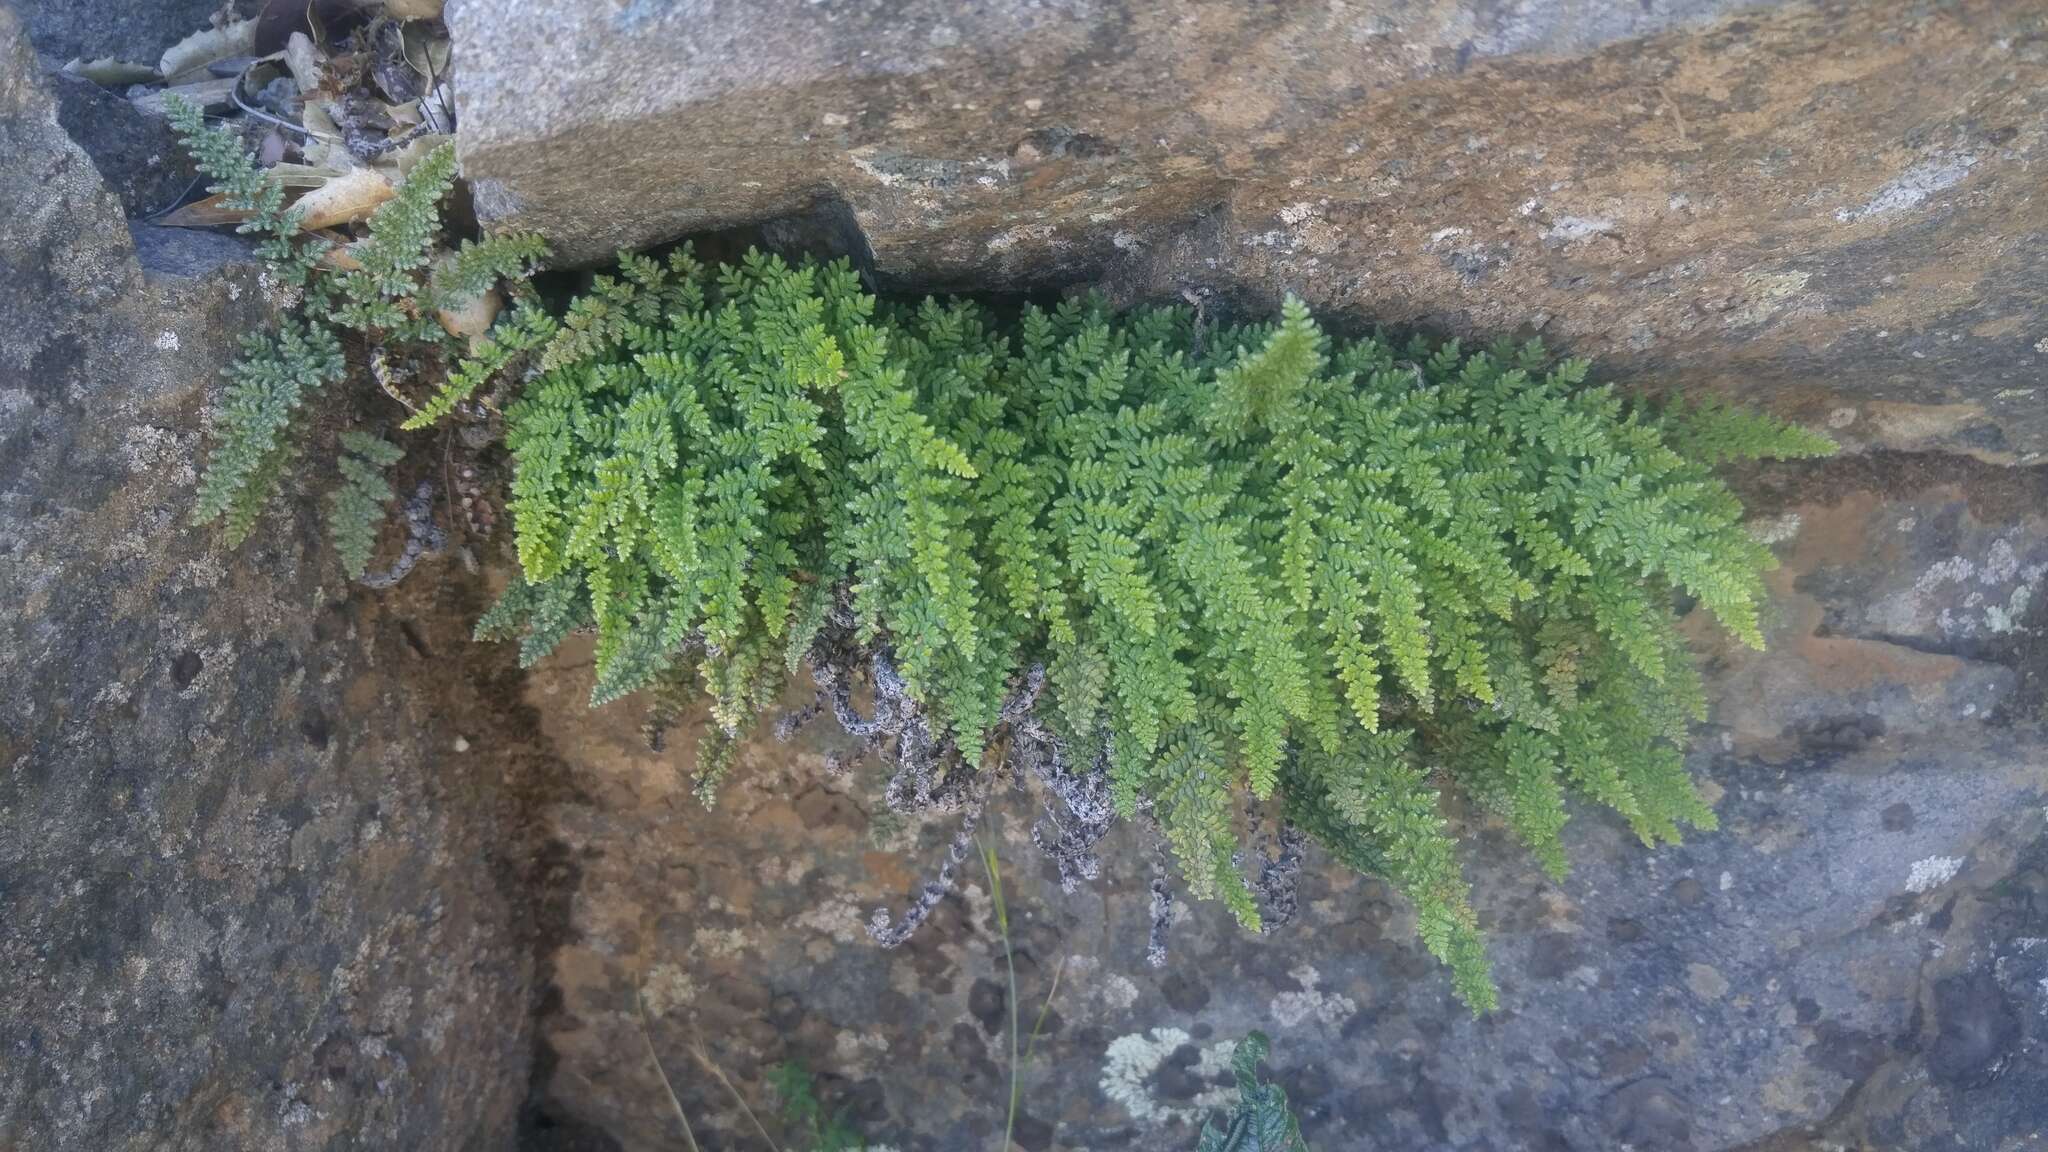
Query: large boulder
{"points": [[1832, 208], [1858, 957], [254, 895]]}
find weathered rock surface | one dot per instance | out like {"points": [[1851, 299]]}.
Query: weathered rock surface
{"points": [[265, 863], [1829, 207], [1856, 958], [122, 29], [252, 899]]}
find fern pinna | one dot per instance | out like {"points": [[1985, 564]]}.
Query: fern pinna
{"points": [[1258, 561]]}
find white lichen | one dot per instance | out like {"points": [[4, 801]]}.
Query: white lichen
{"points": [[1912, 187], [1292, 1009], [668, 988], [841, 918], [1572, 229], [1129, 1062], [1118, 993], [1132, 1060], [1774, 529], [1932, 873]]}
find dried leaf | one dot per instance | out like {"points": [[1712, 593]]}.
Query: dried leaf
{"points": [[413, 9], [303, 175], [201, 48], [304, 62], [472, 318], [111, 72], [405, 115], [323, 148], [345, 199], [427, 49], [208, 95], [211, 212]]}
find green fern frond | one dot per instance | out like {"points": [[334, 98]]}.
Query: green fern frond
{"points": [[266, 386], [1355, 576], [355, 506]]}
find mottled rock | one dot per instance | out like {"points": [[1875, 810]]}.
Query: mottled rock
{"points": [[123, 29], [250, 899], [137, 154], [1828, 208], [1855, 957]]}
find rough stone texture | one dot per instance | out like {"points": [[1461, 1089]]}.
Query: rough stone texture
{"points": [[1859, 957], [137, 154], [123, 29], [266, 866], [1830, 207], [252, 899]]}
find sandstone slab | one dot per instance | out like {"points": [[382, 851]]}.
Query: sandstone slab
{"points": [[1855, 958], [252, 899], [1829, 208]]}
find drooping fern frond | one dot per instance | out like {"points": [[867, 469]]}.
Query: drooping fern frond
{"points": [[524, 329], [245, 187], [266, 386], [1259, 562], [356, 503]]}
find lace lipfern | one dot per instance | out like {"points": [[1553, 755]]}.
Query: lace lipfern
{"points": [[382, 294], [1346, 573]]}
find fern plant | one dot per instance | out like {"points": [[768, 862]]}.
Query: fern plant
{"points": [[804, 1116], [374, 302], [1170, 571], [355, 505]]}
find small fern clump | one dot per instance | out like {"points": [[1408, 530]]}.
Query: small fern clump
{"points": [[1169, 569], [374, 302], [355, 505]]}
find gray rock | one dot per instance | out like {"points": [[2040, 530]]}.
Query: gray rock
{"points": [[1830, 209], [252, 897], [137, 33], [1854, 959], [137, 154]]}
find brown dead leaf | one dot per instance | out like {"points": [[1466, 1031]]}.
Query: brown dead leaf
{"points": [[211, 212], [473, 318], [207, 95], [330, 18], [195, 52], [345, 199], [303, 175]]}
